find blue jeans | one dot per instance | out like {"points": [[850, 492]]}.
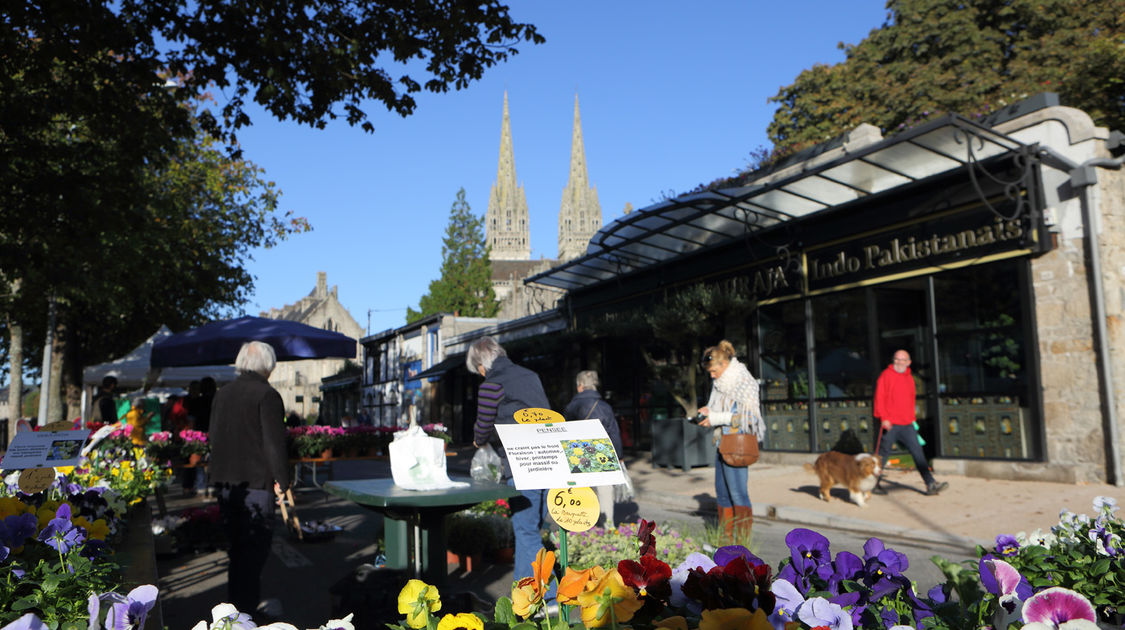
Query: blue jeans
{"points": [[731, 483], [528, 515]]}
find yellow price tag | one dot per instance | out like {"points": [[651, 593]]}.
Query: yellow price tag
{"points": [[574, 509], [34, 480], [60, 425], [536, 415]]}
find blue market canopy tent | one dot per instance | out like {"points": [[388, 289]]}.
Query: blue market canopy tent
{"points": [[219, 342]]}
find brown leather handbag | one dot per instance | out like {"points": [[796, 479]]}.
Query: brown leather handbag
{"points": [[739, 449]]}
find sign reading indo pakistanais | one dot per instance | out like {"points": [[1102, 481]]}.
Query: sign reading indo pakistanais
{"points": [[544, 452], [961, 237]]}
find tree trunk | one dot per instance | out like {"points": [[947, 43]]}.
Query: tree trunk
{"points": [[56, 409], [15, 371]]}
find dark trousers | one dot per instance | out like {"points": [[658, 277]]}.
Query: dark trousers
{"points": [[906, 435], [247, 515]]}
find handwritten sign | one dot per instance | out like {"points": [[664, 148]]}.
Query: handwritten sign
{"points": [[536, 415], [34, 480], [574, 509], [576, 453]]}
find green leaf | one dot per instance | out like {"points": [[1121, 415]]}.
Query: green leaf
{"points": [[1101, 567], [503, 611], [23, 603]]}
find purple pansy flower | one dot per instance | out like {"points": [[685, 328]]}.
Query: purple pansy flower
{"points": [[1007, 545], [679, 576], [808, 549], [723, 555], [26, 622], [821, 612], [125, 612], [60, 533], [1060, 608], [1002, 579], [16, 529], [846, 566]]}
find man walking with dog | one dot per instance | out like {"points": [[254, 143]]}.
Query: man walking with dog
{"points": [[895, 409]]}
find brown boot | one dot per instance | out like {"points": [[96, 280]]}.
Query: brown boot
{"points": [[743, 524], [726, 522]]}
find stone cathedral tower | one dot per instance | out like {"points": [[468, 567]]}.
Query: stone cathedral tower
{"points": [[506, 223], [580, 215]]}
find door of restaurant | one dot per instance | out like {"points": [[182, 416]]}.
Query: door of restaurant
{"points": [[901, 319]]}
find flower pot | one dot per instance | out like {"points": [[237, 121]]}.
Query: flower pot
{"points": [[194, 459], [463, 562], [504, 555], [326, 454]]}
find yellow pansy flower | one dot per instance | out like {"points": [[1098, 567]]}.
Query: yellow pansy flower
{"points": [[609, 593], [460, 621], [741, 618], [672, 623], [416, 600]]}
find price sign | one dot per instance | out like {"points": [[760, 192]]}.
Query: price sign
{"points": [[574, 509], [34, 480], [536, 415]]}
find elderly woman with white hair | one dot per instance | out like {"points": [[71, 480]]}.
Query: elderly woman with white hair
{"points": [[248, 466], [506, 389]]}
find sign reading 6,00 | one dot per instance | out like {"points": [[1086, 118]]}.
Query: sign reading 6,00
{"points": [[574, 509]]}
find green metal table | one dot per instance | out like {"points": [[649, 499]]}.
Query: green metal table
{"points": [[414, 520]]}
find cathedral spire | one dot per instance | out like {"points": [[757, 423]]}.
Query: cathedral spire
{"points": [[506, 223], [580, 214]]}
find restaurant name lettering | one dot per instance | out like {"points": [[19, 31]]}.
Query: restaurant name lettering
{"points": [[903, 250]]}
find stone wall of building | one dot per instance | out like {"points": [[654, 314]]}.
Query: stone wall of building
{"points": [[321, 308], [1076, 445]]}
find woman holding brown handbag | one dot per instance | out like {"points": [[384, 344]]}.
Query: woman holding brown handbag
{"points": [[734, 411]]}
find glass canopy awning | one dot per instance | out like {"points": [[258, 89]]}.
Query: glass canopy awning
{"points": [[685, 224]]}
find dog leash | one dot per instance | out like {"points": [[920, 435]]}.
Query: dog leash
{"points": [[879, 441]]}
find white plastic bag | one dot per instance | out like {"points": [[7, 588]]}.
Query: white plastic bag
{"points": [[486, 464], [418, 461], [624, 492]]}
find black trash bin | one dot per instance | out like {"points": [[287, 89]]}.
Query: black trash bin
{"points": [[677, 442]]}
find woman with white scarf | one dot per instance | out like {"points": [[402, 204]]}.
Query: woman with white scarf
{"points": [[732, 408]]}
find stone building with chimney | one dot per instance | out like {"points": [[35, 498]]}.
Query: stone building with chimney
{"points": [[298, 382]]}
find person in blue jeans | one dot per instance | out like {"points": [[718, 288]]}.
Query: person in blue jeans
{"points": [[506, 389], [732, 408]]}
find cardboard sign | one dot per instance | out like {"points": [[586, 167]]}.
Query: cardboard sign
{"points": [[574, 509], [44, 449], [576, 453], [34, 480], [536, 415]]}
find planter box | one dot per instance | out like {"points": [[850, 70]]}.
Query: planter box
{"points": [[677, 442]]}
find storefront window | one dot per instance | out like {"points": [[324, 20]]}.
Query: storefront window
{"points": [[784, 366], [984, 375]]}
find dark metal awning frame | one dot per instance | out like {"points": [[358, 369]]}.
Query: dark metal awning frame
{"points": [[683, 225]]}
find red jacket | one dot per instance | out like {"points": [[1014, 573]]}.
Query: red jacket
{"points": [[894, 396]]}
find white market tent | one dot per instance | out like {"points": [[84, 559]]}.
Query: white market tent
{"points": [[133, 370]]}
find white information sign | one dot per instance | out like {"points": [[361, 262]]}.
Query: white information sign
{"points": [[560, 455], [44, 449]]}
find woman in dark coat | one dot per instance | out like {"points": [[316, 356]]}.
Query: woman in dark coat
{"points": [[249, 467]]}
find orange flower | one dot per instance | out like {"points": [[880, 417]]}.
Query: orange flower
{"points": [[610, 593], [527, 594], [573, 583]]}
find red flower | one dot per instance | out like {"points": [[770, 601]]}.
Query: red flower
{"points": [[651, 577], [648, 541]]}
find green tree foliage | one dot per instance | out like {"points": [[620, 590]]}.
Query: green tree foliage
{"points": [[465, 285], [972, 58]]}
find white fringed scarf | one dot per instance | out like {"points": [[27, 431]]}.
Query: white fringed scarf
{"points": [[737, 385]]}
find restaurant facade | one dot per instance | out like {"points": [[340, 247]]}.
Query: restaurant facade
{"points": [[990, 249]]}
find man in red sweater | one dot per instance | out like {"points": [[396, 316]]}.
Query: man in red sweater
{"points": [[894, 407]]}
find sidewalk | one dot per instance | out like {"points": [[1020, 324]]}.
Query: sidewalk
{"points": [[972, 509]]}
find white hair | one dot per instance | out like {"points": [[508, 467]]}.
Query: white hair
{"points": [[256, 356], [482, 353], [587, 379]]}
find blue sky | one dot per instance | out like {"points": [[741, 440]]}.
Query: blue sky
{"points": [[672, 94]]}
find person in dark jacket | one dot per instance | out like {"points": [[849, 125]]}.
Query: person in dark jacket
{"points": [[507, 388], [249, 467], [588, 404]]}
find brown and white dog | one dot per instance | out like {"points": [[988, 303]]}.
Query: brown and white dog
{"points": [[857, 473]]}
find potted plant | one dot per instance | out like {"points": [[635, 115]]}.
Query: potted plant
{"points": [[468, 537], [194, 446], [162, 447], [317, 441]]}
